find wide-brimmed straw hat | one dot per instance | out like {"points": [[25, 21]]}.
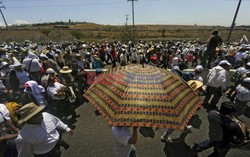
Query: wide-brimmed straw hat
{"points": [[194, 84], [65, 70], [28, 111]]}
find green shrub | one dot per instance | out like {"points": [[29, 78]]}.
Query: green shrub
{"points": [[77, 34]]}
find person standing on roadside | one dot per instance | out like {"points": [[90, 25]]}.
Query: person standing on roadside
{"points": [[214, 41]]}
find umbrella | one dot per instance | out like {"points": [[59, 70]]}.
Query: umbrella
{"points": [[145, 97]]}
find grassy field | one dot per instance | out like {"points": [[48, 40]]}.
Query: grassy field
{"points": [[99, 33]]}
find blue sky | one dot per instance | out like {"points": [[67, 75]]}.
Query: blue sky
{"points": [[180, 12]]}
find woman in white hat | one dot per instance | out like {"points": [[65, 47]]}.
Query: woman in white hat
{"points": [[57, 93], [66, 77], [34, 93], [68, 81], [18, 76]]}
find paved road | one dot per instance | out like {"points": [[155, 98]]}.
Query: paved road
{"points": [[92, 138]]}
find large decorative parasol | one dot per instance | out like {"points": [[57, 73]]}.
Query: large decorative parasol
{"points": [[146, 97]]}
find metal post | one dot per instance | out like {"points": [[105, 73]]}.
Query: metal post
{"points": [[126, 20], [233, 23], [7, 27], [133, 15]]}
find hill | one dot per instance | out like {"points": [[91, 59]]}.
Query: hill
{"points": [[60, 31]]}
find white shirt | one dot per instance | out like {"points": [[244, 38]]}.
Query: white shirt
{"points": [[239, 56], [23, 77], [3, 72], [242, 93], [121, 136], [217, 77], [52, 90], [123, 58], [134, 56], [175, 61], [5, 112], [35, 65], [39, 139]]}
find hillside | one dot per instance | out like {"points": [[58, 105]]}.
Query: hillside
{"points": [[60, 31]]}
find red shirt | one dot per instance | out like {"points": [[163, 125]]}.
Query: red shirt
{"points": [[190, 57], [113, 53]]}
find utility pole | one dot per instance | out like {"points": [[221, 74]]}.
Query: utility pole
{"points": [[7, 27], [233, 23], [133, 12], [133, 16], [126, 20]]}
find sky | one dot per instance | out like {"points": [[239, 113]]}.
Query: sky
{"points": [[112, 12]]}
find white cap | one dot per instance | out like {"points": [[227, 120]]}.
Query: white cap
{"points": [[175, 67], [199, 68], [50, 71], [248, 64], [3, 64], [241, 70], [224, 62], [246, 80], [43, 56], [175, 61]]}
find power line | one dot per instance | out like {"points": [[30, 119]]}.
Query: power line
{"points": [[64, 5]]}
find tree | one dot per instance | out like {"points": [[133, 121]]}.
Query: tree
{"points": [[77, 34], [46, 32], [128, 34], [163, 33]]}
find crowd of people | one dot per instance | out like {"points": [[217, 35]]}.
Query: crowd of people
{"points": [[42, 84]]}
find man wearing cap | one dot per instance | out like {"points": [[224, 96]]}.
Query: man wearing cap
{"points": [[242, 96], [216, 83], [39, 135], [197, 73]]}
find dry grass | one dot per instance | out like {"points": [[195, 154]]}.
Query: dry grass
{"points": [[106, 32]]}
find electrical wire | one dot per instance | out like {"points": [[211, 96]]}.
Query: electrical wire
{"points": [[63, 5]]}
